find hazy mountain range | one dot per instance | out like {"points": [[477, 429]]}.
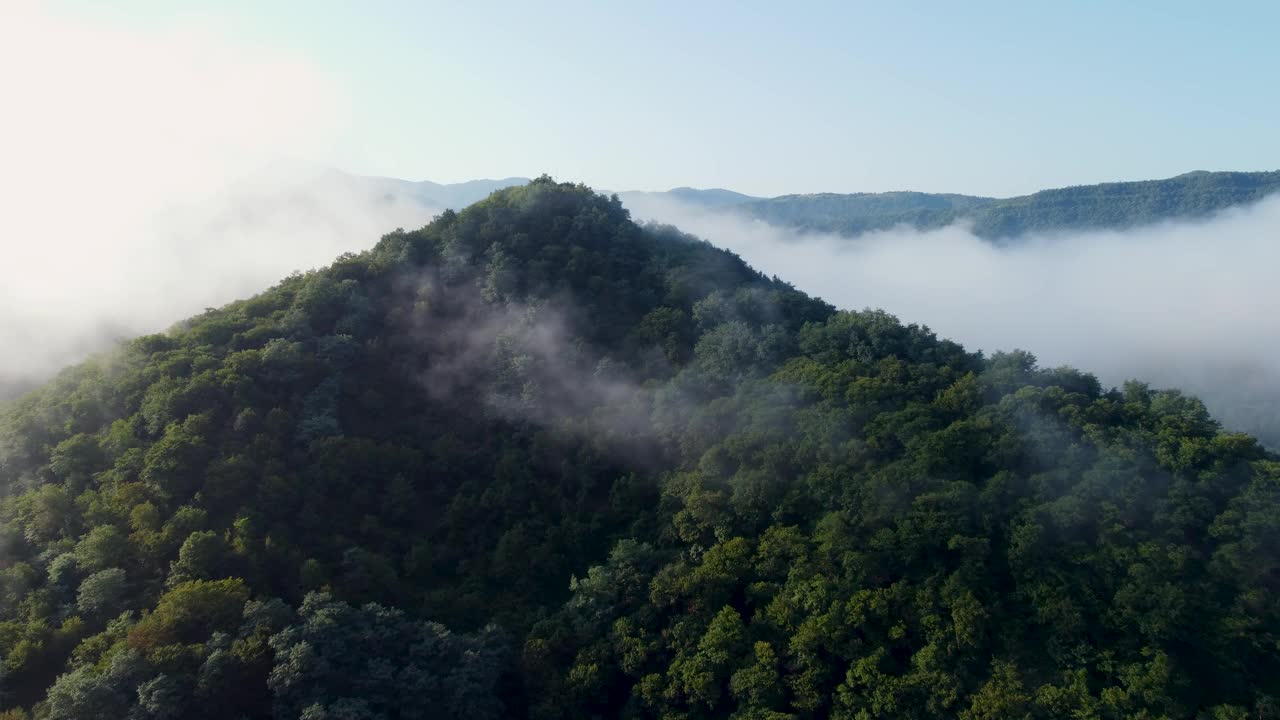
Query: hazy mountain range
{"points": [[1111, 206], [459, 195], [239, 240]]}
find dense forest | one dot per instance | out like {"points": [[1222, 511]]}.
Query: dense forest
{"points": [[855, 213], [1108, 206], [535, 460]]}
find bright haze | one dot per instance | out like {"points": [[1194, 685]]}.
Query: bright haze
{"points": [[149, 172], [157, 158]]}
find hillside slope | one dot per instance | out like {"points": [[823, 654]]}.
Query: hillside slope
{"points": [[534, 460]]}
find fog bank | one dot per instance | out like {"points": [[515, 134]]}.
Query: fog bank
{"points": [[148, 175]]}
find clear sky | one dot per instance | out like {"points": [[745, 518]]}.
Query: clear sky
{"points": [[996, 98]]}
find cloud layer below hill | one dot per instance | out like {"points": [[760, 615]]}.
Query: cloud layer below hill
{"points": [[1190, 305]]}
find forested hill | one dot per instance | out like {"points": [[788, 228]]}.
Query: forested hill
{"points": [[1109, 206], [534, 460], [861, 212]]}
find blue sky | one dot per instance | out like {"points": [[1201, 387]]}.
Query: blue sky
{"points": [[996, 98]]}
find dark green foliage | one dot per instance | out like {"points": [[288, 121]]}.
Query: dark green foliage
{"points": [[1112, 206], [101, 593], [533, 460], [374, 662]]}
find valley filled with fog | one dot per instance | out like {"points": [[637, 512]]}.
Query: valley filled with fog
{"points": [[1185, 304]]}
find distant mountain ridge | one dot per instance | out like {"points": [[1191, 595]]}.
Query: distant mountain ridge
{"points": [[709, 198], [438, 195], [1105, 206], [855, 213], [455, 196]]}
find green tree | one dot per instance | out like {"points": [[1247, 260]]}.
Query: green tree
{"points": [[102, 593]]}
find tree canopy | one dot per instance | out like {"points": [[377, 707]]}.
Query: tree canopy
{"points": [[535, 460]]}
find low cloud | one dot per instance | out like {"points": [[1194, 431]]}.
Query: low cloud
{"points": [[1191, 305], [518, 362]]}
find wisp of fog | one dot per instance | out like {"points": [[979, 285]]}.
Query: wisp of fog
{"points": [[148, 175], [1191, 305]]}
